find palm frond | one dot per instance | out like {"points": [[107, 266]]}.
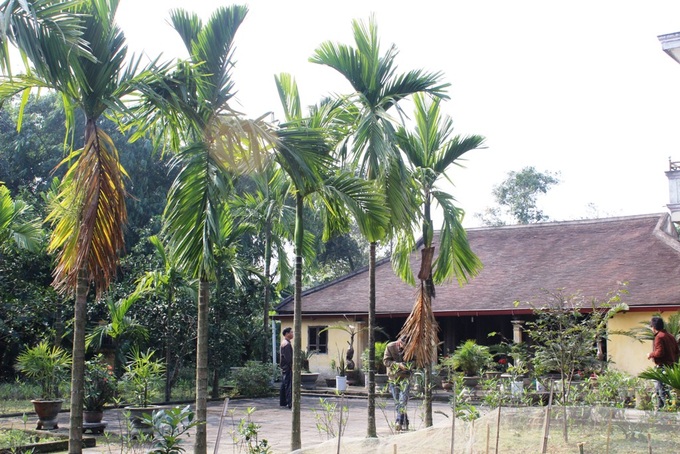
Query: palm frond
{"points": [[421, 330], [89, 213], [668, 375]]}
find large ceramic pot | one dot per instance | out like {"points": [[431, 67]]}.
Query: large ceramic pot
{"points": [[471, 382], [93, 416], [308, 380], [48, 413]]}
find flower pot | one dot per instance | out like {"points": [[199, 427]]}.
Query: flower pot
{"points": [[471, 382], [93, 416], [48, 413], [308, 380], [341, 383], [330, 382]]}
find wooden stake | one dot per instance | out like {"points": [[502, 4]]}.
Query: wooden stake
{"points": [[453, 419], [219, 428], [488, 435], [580, 447], [498, 427], [546, 423], [649, 442], [609, 429], [472, 436]]}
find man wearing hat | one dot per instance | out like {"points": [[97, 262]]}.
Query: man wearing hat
{"points": [[399, 374]]}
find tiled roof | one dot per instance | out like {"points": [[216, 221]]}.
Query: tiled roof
{"points": [[590, 257]]}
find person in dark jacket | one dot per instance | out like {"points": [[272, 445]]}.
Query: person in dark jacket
{"points": [[286, 365], [665, 352]]}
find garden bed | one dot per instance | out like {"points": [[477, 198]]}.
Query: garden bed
{"points": [[24, 441]]}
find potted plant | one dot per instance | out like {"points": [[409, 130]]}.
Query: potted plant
{"points": [[49, 366], [141, 381], [380, 371], [471, 358], [341, 378], [308, 378], [100, 389]]}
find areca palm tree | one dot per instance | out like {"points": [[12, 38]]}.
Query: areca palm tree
{"points": [[430, 151], [89, 212], [378, 89], [191, 110], [303, 151]]}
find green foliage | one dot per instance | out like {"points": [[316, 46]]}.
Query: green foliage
{"points": [[143, 375], [331, 418], [168, 427], [48, 365], [379, 354], [611, 388], [249, 432], [669, 375], [471, 358], [100, 384], [254, 379]]}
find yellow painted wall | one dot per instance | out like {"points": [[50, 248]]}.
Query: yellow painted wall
{"points": [[628, 354], [337, 342]]}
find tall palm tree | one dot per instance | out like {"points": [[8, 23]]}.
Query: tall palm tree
{"points": [[430, 151], [89, 212], [378, 89], [303, 152], [191, 110]]}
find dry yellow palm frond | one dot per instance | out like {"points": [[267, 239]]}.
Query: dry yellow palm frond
{"points": [[89, 214], [421, 330]]}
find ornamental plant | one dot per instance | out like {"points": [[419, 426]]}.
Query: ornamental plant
{"points": [[46, 364], [143, 376], [100, 384]]}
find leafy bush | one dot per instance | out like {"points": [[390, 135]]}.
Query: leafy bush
{"points": [[471, 358], [254, 379]]}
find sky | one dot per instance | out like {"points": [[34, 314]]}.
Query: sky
{"points": [[578, 87]]}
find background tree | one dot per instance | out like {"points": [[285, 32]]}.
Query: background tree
{"points": [[378, 89], [517, 198]]}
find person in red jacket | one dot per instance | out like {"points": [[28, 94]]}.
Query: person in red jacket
{"points": [[665, 352]]}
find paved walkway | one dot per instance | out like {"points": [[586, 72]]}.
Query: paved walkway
{"points": [[274, 422]]}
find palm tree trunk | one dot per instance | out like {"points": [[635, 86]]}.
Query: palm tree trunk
{"points": [[372, 433], [200, 445], [75, 442], [267, 295], [168, 346], [296, 439]]}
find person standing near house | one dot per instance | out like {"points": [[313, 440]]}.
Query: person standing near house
{"points": [[399, 374], [665, 352], [286, 365]]}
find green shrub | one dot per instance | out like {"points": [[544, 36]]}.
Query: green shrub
{"points": [[254, 379]]}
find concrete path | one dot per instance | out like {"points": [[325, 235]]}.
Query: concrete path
{"points": [[274, 421]]}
